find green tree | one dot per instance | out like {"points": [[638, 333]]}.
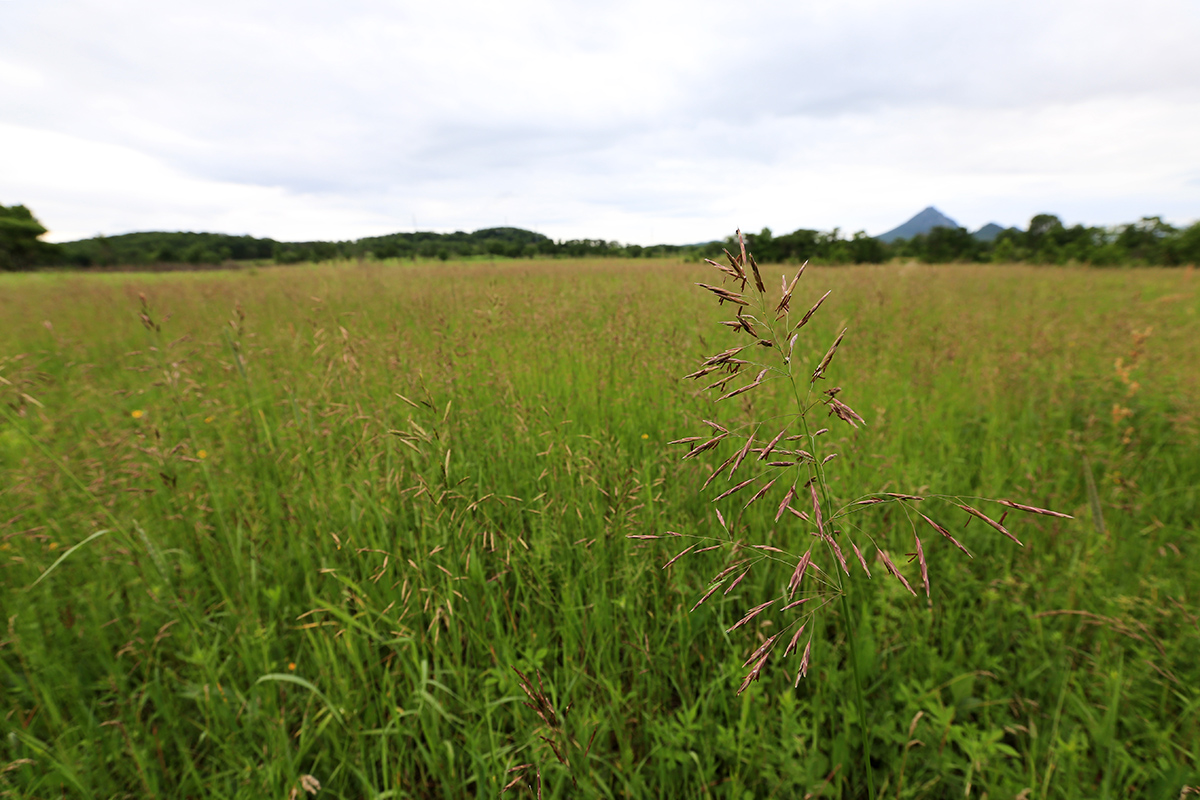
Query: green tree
{"points": [[1185, 247], [21, 246], [1044, 224], [1143, 240]]}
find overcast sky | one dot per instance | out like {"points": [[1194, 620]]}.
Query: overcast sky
{"points": [[637, 121]]}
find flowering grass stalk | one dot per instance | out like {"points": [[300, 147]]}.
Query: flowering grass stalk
{"points": [[788, 455]]}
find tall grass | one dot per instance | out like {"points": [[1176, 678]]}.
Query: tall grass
{"points": [[796, 460], [356, 497]]}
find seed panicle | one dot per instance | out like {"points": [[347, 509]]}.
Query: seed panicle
{"points": [[759, 317]]}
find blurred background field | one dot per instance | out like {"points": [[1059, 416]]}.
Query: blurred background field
{"points": [[344, 501]]}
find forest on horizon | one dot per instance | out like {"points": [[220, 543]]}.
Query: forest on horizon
{"points": [[1148, 242]]}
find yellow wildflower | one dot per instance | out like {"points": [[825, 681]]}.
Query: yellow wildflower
{"points": [[136, 413]]}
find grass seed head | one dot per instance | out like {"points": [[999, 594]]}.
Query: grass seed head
{"points": [[795, 639], [679, 555], [707, 595], [736, 488], [813, 310], [758, 281], [723, 573], [742, 454], [736, 581], [921, 561], [754, 674], [837, 551], [713, 476], [798, 573], [976, 513], [766, 451], [946, 534], [861, 560], [803, 671], [762, 648], [1034, 509], [760, 493], [887, 563], [820, 370], [845, 412], [816, 504], [787, 499], [751, 614]]}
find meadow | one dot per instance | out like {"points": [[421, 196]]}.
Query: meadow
{"points": [[293, 531]]}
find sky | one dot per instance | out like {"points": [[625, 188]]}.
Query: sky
{"points": [[643, 122]]}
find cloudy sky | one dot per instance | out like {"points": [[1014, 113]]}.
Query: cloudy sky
{"points": [[637, 121]]}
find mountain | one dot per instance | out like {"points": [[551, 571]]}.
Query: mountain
{"points": [[989, 232], [924, 222]]}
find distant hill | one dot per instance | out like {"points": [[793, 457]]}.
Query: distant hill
{"points": [[161, 247], [924, 222], [157, 248], [176, 247], [988, 233]]}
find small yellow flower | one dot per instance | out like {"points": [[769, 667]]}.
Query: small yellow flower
{"points": [[208, 420], [291, 666], [203, 454], [136, 413], [54, 545], [645, 436]]}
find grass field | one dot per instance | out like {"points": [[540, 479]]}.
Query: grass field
{"points": [[322, 512]]}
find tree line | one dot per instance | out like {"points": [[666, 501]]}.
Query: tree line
{"points": [[1150, 241]]}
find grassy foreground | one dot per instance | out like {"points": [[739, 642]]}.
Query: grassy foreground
{"points": [[321, 513]]}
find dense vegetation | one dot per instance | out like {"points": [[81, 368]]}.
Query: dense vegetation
{"points": [[21, 246], [1047, 241], [265, 529], [134, 249]]}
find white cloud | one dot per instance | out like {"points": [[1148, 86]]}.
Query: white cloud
{"points": [[633, 121], [108, 188]]}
